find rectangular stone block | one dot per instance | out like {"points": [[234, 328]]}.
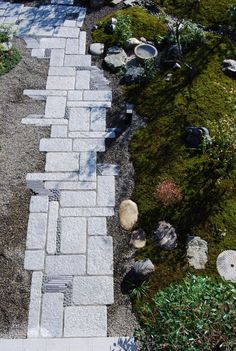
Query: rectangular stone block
{"points": [[90, 104], [82, 43], [42, 94], [57, 57], [88, 162], [97, 226], [35, 305], [67, 32], [85, 321], [44, 122], [75, 94], [106, 191], [87, 135], [108, 169], [93, 290], [34, 260], [52, 315], [73, 235], [77, 60], [81, 17], [52, 227], [98, 119], [87, 212], [39, 204], [100, 255], [65, 176], [62, 162], [40, 53], [61, 71], [82, 80], [72, 46], [69, 23], [52, 43], [97, 95], [89, 145], [60, 83], [36, 232], [66, 265], [78, 198], [71, 185], [59, 132], [55, 145], [79, 119], [55, 106]]}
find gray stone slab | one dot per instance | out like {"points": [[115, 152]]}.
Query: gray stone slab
{"points": [[82, 43], [40, 53], [67, 32], [55, 145], [106, 191], [36, 232], [52, 227], [85, 321], [10, 20], [57, 57], [87, 212], [97, 226], [87, 135], [39, 204], [90, 104], [93, 290], [55, 105], [52, 315], [60, 82], [81, 17], [78, 198], [72, 46], [42, 94], [44, 122], [89, 145], [77, 60], [61, 71], [79, 119], [98, 119], [59, 132], [97, 95], [107, 169], [63, 176], [35, 305], [82, 80], [32, 43], [52, 43], [69, 23], [100, 255], [62, 162], [71, 185], [13, 10], [34, 260], [75, 95], [87, 166], [73, 235], [65, 265], [37, 30]]}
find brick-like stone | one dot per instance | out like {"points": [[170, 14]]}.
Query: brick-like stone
{"points": [[36, 232], [61, 71], [85, 321], [82, 43], [88, 166], [89, 145], [65, 176], [105, 191], [98, 119], [59, 132], [81, 17], [55, 106], [52, 315], [67, 32], [34, 260], [65, 265], [44, 122], [79, 119], [93, 290], [97, 95], [82, 80], [69, 23], [42, 94], [55, 145], [52, 43], [87, 212], [87, 135], [78, 198], [60, 83], [73, 235], [35, 305], [72, 46], [62, 162], [97, 226], [52, 227], [74, 95], [57, 57], [71, 185], [77, 60], [100, 255], [40, 53], [39, 204], [90, 104]]}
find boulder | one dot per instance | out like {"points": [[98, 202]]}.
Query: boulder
{"points": [[229, 68], [165, 236], [143, 268], [131, 43], [115, 59], [96, 49], [128, 214], [226, 265], [197, 251], [138, 239], [111, 25], [194, 136], [134, 73]]}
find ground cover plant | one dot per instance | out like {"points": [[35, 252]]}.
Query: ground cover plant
{"points": [[9, 56]]}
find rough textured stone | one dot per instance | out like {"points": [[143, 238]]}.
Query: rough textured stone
{"points": [[226, 265], [128, 213], [87, 166], [96, 49], [82, 80], [52, 227], [35, 305], [52, 315], [87, 212], [197, 250], [229, 68], [67, 32], [78, 198], [79, 119], [73, 235], [55, 145], [89, 145], [62, 162], [57, 57], [165, 236], [61, 71], [34, 260], [59, 131], [77, 60], [97, 226], [98, 119], [115, 59], [82, 321], [100, 255], [65, 265], [75, 95], [97, 95], [72, 46], [39, 203], [138, 239], [60, 83], [82, 43], [36, 232], [131, 43], [143, 268], [52, 43], [106, 191], [93, 290], [55, 106]]}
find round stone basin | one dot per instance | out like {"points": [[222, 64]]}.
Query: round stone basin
{"points": [[145, 52]]}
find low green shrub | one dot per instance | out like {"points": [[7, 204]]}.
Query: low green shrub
{"points": [[123, 29]]}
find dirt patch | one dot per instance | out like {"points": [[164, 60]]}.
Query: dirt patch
{"points": [[19, 154]]}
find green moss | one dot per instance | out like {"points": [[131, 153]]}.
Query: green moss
{"points": [[8, 60], [206, 12], [142, 25]]}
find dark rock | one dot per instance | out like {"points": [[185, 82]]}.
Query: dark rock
{"points": [[143, 268], [194, 136], [115, 59], [165, 236], [133, 74], [229, 68]]}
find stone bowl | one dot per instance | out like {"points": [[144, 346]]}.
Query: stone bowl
{"points": [[145, 52]]}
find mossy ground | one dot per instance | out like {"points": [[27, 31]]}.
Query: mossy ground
{"points": [[8, 60]]}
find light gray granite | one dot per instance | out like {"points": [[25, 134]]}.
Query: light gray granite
{"points": [[100, 255], [73, 235], [52, 315], [65, 265]]}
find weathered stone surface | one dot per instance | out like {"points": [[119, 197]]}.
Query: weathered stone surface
{"points": [[52, 43], [128, 213], [34, 260], [82, 321], [98, 119], [72, 46], [93, 290], [226, 265], [39, 203], [97, 226], [78, 198], [62, 162], [55, 145], [36, 233], [106, 191], [165, 236], [79, 119], [52, 227], [143, 268], [60, 83], [229, 68], [40, 53], [52, 315], [77, 60], [100, 255], [57, 57], [73, 235], [87, 212], [116, 58], [67, 32], [97, 95], [87, 166], [61, 71], [131, 43], [197, 250], [65, 265], [59, 131], [96, 49], [89, 145], [138, 239], [134, 73], [84, 185], [74, 95], [55, 105], [82, 43], [35, 305], [82, 80]]}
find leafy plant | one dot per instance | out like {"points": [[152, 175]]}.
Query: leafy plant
{"points": [[198, 314], [123, 28], [139, 291], [191, 34], [150, 69]]}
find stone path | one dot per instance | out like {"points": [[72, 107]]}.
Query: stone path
{"points": [[68, 248]]}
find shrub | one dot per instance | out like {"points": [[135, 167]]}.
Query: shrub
{"points": [[197, 315], [191, 34], [168, 193], [123, 29]]}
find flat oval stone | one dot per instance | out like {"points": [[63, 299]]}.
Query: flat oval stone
{"points": [[226, 265], [128, 214]]}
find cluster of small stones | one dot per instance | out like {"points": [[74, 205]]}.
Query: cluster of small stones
{"points": [[68, 249]]}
